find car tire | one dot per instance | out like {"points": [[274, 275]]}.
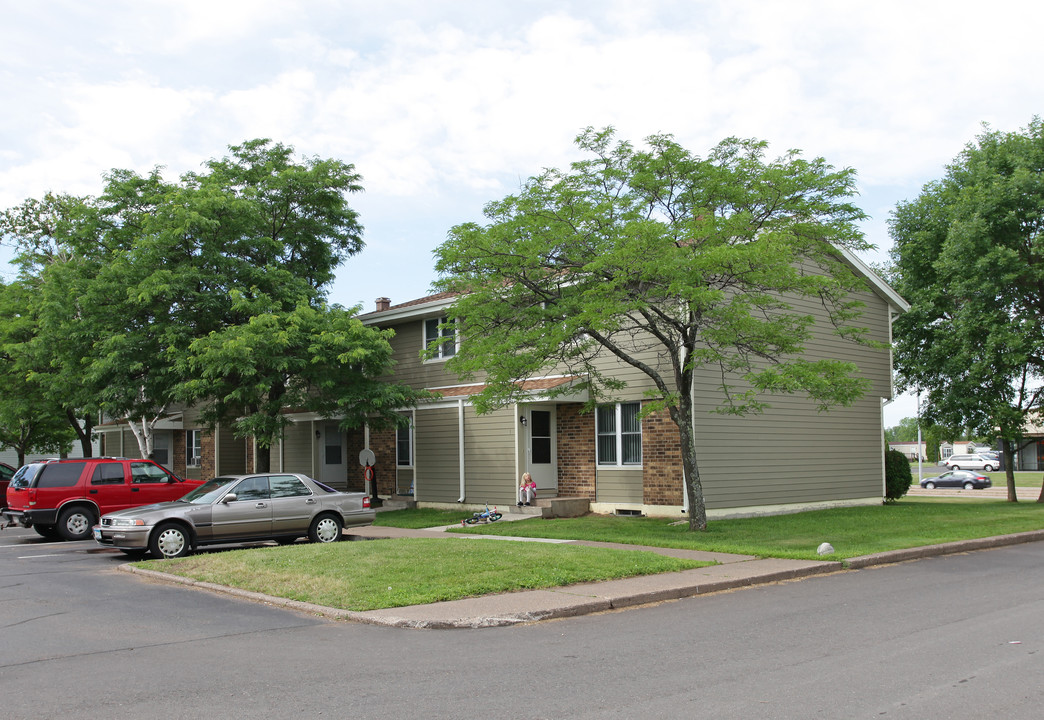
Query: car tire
{"points": [[325, 529], [969, 486], [987, 468], [955, 467], [75, 523], [46, 531], [169, 540], [929, 486]]}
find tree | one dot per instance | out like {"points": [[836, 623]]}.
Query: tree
{"points": [[28, 418], [905, 431], [321, 359], [968, 256], [128, 281], [632, 252]]}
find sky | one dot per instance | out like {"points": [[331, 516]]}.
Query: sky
{"points": [[443, 106]]}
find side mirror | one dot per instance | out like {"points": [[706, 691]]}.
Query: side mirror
{"points": [[231, 497]]}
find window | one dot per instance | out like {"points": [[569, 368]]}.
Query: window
{"points": [[443, 333], [193, 447], [619, 434], [147, 473], [287, 486], [404, 445], [255, 488], [108, 474]]}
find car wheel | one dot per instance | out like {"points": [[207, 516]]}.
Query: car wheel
{"points": [[969, 486], [955, 467], [169, 540], [325, 528], [929, 486], [987, 468], [75, 523], [48, 531]]}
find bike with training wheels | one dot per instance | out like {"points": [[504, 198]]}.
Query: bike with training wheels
{"points": [[486, 516]]}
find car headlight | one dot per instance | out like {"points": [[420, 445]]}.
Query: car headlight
{"points": [[124, 522]]}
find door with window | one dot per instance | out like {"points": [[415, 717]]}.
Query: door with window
{"points": [[333, 468], [542, 448]]}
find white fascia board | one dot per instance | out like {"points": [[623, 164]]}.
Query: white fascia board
{"points": [[408, 312], [878, 285]]}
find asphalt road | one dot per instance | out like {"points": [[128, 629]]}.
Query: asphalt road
{"points": [[949, 637]]}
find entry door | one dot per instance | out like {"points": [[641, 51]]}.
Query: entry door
{"points": [[333, 469], [542, 447]]}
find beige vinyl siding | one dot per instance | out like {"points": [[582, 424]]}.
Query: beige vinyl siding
{"points": [[409, 368], [619, 486], [489, 452], [297, 449], [792, 453], [437, 456]]}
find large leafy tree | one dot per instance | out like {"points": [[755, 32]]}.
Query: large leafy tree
{"points": [[657, 253], [320, 358], [968, 255], [136, 288], [29, 420]]}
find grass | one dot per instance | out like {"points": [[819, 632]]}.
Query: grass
{"points": [[396, 573], [852, 531]]}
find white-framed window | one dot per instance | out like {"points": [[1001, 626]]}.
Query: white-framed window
{"points": [[619, 434], [442, 333], [404, 445], [193, 448]]}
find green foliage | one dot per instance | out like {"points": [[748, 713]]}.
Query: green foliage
{"points": [[905, 431], [142, 296], [897, 475], [633, 253], [968, 257]]}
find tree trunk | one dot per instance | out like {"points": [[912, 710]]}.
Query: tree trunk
{"points": [[1009, 470], [263, 459], [682, 416], [83, 432], [1041, 498]]}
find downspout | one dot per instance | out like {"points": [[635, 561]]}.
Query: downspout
{"points": [[460, 444], [217, 450]]}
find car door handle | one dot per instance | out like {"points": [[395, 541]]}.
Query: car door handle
{"points": [[310, 501], [92, 492], [261, 505], [134, 489]]}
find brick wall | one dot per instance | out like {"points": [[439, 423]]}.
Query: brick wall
{"points": [[382, 442], [178, 453], [576, 452], [661, 461], [206, 463]]}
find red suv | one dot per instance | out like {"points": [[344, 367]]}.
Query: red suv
{"points": [[64, 498]]}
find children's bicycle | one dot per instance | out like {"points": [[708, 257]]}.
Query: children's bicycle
{"points": [[485, 516]]}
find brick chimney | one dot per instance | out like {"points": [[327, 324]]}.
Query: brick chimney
{"points": [[383, 304]]}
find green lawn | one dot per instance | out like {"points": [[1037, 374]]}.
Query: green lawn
{"points": [[394, 573], [852, 531], [367, 575]]}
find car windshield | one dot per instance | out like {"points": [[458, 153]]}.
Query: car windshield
{"points": [[209, 491]]}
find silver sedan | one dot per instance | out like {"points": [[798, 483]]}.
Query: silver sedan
{"points": [[236, 508]]}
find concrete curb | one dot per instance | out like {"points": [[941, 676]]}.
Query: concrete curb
{"points": [[586, 598]]}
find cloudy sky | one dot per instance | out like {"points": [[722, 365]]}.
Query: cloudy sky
{"points": [[445, 105]]}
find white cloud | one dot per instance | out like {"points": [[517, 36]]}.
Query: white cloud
{"points": [[443, 105]]}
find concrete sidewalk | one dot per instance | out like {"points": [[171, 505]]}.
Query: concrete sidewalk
{"points": [[733, 571]]}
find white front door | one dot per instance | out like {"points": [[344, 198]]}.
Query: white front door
{"points": [[333, 469], [542, 448]]}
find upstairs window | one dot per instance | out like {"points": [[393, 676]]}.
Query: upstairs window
{"points": [[440, 334], [619, 434]]}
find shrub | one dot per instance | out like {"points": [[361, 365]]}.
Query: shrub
{"points": [[897, 475]]}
